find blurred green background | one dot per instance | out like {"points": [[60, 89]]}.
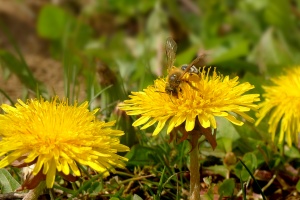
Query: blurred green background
{"points": [[101, 50], [123, 41]]}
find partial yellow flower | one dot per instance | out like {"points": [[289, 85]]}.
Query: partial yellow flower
{"points": [[201, 97], [56, 136], [282, 101]]}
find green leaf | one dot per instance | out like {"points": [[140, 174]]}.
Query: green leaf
{"points": [[226, 143], [140, 155], [255, 80], [252, 176], [279, 54], [8, 183], [234, 51], [246, 144], [161, 185], [218, 169], [52, 21], [114, 198], [227, 187], [278, 13], [292, 152], [250, 161], [298, 186], [226, 129], [276, 161], [95, 188]]}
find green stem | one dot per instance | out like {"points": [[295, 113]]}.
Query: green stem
{"points": [[194, 167]]}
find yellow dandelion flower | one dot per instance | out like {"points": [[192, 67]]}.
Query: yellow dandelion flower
{"points": [[282, 101], [56, 136], [201, 97]]}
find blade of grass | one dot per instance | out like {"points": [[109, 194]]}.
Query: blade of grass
{"points": [[161, 185], [6, 95], [104, 89], [12, 41], [260, 190], [17, 64], [20, 69], [244, 191]]}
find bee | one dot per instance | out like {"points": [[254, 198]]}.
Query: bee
{"points": [[175, 75]]}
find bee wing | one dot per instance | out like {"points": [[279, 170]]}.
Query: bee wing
{"points": [[171, 48]]}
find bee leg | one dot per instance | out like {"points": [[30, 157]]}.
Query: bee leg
{"points": [[170, 96], [180, 90], [159, 91], [192, 86]]}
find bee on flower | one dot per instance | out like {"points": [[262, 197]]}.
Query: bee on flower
{"points": [[188, 100], [199, 98]]}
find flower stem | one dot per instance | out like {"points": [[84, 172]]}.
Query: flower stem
{"points": [[194, 166]]}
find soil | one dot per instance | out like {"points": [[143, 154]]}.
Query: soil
{"points": [[19, 17]]}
